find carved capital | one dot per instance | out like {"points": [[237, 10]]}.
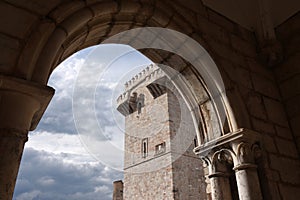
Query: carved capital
{"points": [[22, 103], [219, 162], [246, 154], [239, 149]]}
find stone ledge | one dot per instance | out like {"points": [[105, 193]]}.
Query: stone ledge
{"points": [[240, 135]]}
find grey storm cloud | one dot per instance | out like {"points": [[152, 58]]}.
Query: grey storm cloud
{"points": [[46, 176], [58, 118]]}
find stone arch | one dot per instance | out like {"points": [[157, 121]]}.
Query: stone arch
{"points": [[72, 26], [64, 27]]}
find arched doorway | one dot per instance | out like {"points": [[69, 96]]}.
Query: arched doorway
{"points": [[69, 33]]}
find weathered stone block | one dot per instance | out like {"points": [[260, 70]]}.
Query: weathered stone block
{"points": [[243, 46], [9, 48], [262, 126], [97, 32], [77, 38], [269, 144], [160, 17], [180, 24], [104, 8], [186, 13], [295, 125], [289, 169], [34, 46], [292, 45], [265, 86], [36, 6], [193, 5], [66, 9], [212, 30], [289, 27], [129, 6], [288, 68], [246, 34], [293, 107], [290, 87], [289, 192], [222, 21], [286, 147], [237, 74], [284, 132], [259, 69], [15, 21], [255, 105], [272, 191], [77, 20], [275, 111], [118, 28]]}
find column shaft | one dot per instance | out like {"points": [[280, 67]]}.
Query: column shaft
{"points": [[11, 149], [220, 187], [22, 104], [248, 182]]}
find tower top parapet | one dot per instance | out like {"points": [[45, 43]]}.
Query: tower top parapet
{"points": [[147, 72], [151, 73]]}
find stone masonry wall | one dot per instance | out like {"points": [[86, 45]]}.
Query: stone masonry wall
{"points": [[257, 101], [288, 80], [288, 73], [148, 177], [188, 176], [152, 123]]}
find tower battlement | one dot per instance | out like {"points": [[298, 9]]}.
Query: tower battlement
{"points": [[147, 75]]}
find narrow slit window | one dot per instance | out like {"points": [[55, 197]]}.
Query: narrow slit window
{"points": [[139, 107], [144, 147], [195, 142]]}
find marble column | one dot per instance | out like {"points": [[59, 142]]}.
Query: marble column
{"points": [[219, 174], [22, 104], [246, 172], [240, 149], [220, 186]]}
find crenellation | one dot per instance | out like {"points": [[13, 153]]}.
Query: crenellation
{"points": [[148, 72], [147, 75]]}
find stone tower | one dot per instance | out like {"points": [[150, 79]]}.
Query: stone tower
{"points": [[118, 190], [159, 161]]}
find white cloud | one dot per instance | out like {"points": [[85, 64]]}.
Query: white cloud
{"points": [[55, 164], [59, 143], [45, 175], [46, 181], [29, 195]]}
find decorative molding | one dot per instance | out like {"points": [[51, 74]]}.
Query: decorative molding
{"points": [[238, 149], [19, 88], [239, 136]]}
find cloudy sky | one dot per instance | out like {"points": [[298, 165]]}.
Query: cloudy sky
{"points": [[76, 152]]}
